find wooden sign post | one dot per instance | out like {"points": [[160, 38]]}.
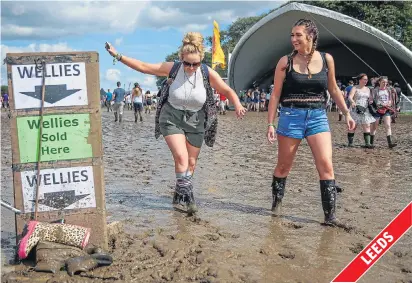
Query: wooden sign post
{"points": [[71, 183]]}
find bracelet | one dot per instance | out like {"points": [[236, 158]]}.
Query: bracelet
{"points": [[117, 57], [271, 125]]}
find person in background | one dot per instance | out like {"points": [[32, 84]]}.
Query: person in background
{"points": [[223, 101], [384, 98], [129, 101], [249, 100], [360, 97], [118, 97], [262, 100], [5, 100], [256, 99], [398, 100], [109, 98], [268, 94], [137, 98], [149, 101]]}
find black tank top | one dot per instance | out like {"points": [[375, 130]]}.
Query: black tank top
{"points": [[298, 87]]}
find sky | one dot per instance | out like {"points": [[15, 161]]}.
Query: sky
{"points": [[145, 30]]}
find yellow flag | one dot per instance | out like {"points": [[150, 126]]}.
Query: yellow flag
{"points": [[218, 56]]}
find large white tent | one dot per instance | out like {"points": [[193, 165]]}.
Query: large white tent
{"points": [[348, 40]]}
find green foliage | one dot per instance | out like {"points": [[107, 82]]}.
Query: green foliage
{"points": [[392, 17], [4, 89]]}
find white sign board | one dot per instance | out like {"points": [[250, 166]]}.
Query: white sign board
{"points": [[65, 85], [60, 188]]}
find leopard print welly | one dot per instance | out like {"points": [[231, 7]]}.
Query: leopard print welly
{"points": [[67, 234]]}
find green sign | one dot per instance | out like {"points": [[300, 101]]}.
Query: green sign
{"points": [[63, 137]]}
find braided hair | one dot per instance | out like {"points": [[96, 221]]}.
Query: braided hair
{"points": [[311, 30]]}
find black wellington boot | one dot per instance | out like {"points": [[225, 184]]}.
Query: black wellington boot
{"points": [[115, 116], [391, 144], [278, 191], [350, 139], [184, 195], [328, 195]]}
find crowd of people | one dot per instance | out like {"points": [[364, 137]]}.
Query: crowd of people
{"points": [[371, 102], [133, 100]]}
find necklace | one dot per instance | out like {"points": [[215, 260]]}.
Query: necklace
{"points": [[303, 55], [191, 89]]}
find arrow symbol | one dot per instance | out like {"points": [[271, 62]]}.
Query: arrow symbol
{"points": [[53, 93], [60, 200]]}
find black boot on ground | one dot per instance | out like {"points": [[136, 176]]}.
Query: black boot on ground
{"points": [[391, 144], [184, 195], [135, 117], [372, 140], [115, 116], [278, 191], [328, 195], [350, 139], [120, 118]]}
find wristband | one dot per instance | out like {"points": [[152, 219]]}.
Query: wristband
{"points": [[117, 57], [271, 125]]}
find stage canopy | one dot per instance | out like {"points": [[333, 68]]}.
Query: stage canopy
{"points": [[258, 51]]}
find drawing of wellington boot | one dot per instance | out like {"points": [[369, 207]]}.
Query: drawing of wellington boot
{"points": [[87, 262], [51, 257], [67, 234], [278, 191]]}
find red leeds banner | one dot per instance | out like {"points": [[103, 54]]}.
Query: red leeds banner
{"points": [[377, 248]]}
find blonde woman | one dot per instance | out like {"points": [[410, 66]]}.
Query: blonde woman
{"points": [[359, 98], [186, 112]]}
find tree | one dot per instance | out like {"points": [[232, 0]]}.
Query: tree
{"points": [[392, 17], [4, 89]]}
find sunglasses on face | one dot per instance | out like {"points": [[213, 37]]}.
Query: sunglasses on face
{"points": [[192, 65]]}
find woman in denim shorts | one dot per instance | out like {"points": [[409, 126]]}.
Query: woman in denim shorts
{"points": [[384, 98], [186, 111], [306, 75]]}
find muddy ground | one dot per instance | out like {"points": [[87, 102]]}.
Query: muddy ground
{"points": [[234, 238]]}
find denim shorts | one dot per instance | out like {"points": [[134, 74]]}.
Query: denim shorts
{"points": [[299, 123], [378, 115]]}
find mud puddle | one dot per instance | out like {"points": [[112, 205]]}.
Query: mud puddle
{"points": [[234, 238]]}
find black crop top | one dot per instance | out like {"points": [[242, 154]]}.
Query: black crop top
{"points": [[300, 91]]}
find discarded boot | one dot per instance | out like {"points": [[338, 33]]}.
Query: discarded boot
{"points": [[328, 195], [278, 191], [51, 257], [184, 195], [67, 234], [87, 262]]}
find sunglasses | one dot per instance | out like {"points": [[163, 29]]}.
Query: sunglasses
{"points": [[192, 65]]}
